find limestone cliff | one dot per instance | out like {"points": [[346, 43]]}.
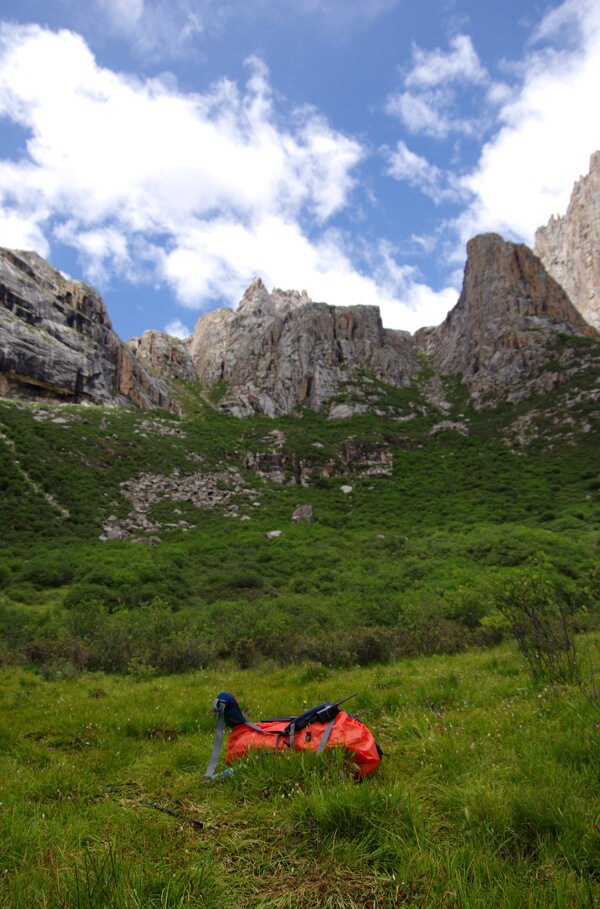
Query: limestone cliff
{"points": [[57, 341], [569, 246]]}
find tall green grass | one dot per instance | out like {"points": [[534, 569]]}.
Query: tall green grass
{"points": [[486, 796]]}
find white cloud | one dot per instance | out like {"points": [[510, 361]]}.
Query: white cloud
{"points": [[437, 67], [150, 159], [433, 87], [425, 113], [23, 231], [155, 29], [406, 165], [177, 329], [202, 191], [103, 250], [548, 130], [226, 256]]}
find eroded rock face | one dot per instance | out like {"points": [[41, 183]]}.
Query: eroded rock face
{"points": [[285, 351], [167, 355], [57, 341], [502, 333], [569, 246], [209, 343], [353, 457], [281, 350]]}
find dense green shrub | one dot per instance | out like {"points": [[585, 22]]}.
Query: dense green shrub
{"points": [[95, 594], [541, 623]]}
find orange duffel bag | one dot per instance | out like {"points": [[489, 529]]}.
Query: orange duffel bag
{"points": [[324, 726]]}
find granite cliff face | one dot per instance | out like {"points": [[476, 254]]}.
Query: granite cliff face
{"points": [[209, 343], [502, 334], [281, 350], [569, 246], [164, 354], [57, 341]]}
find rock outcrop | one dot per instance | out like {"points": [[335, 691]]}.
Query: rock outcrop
{"points": [[351, 457], [166, 355], [57, 341], [569, 246], [501, 335], [280, 350], [209, 343], [284, 351]]}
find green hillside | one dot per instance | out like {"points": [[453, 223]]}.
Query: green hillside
{"points": [[487, 792], [408, 562]]}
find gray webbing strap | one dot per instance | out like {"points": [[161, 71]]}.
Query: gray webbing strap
{"points": [[292, 731], [325, 739], [219, 709], [256, 728]]}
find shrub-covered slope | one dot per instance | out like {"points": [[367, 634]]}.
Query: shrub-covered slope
{"points": [[444, 506]]}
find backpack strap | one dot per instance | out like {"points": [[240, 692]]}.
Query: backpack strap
{"points": [[219, 707], [326, 734], [227, 710]]}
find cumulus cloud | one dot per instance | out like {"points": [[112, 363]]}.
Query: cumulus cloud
{"points": [[284, 257], [103, 144], [104, 147], [23, 231], [201, 191], [437, 81], [547, 130]]}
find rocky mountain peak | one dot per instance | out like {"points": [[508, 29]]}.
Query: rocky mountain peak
{"points": [[569, 246], [280, 350], [261, 303], [255, 296], [507, 317]]}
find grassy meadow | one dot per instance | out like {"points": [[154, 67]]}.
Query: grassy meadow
{"points": [[408, 590], [487, 795]]}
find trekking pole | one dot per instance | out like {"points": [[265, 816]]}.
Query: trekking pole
{"points": [[201, 825]]}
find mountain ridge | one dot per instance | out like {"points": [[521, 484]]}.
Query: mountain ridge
{"points": [[280, 351]]}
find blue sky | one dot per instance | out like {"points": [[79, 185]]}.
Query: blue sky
{"points": [[167, 151]]}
